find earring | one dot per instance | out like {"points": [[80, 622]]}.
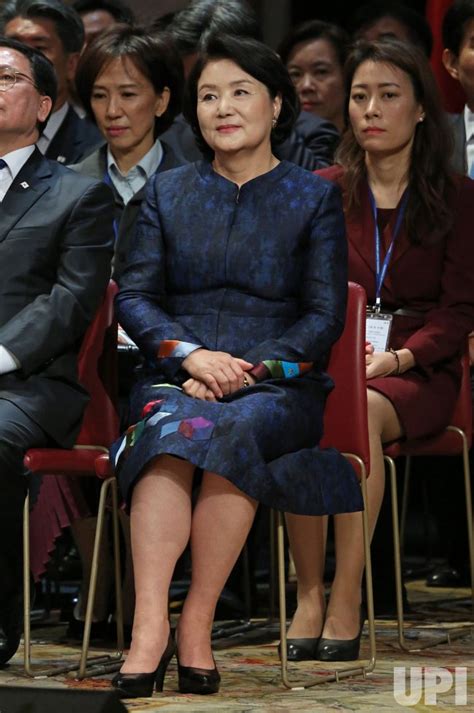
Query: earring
{"points": [[274, 122], [422, 118]]}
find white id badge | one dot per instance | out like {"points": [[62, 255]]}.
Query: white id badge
{"points": [[377, 330]]}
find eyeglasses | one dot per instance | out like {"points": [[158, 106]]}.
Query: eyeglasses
{"points": [[9, 77]]}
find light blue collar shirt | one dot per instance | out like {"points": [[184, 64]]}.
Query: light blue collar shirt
{"points": [[128, 184]]}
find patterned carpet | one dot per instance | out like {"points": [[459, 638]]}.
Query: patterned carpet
{"points": [[250, 669]]}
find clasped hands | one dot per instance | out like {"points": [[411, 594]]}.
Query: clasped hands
{"points": [[378, 363], [214, 374]]}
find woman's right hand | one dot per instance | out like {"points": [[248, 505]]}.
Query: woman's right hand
{"points": [[220, 372]]}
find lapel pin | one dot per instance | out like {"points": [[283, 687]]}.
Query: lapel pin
{"points": [[61, 159], [24, 184]]}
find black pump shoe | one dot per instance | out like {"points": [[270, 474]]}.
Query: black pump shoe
{"points": [[301, 649], [341, 649], [141, 685], [202, 681]]}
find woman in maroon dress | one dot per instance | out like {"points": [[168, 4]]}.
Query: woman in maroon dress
{"points": [[404, 207]]}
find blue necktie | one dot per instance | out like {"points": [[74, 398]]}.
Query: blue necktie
{"points": [[3, 164], [471, 172]]}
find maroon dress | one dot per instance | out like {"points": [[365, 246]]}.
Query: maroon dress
{"points": [[437, 281]]}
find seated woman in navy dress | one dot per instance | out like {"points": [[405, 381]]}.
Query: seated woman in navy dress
{"points": [[235, 291], [399, 194]]}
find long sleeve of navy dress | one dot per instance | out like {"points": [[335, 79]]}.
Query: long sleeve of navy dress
{"points": [[259, 272]]}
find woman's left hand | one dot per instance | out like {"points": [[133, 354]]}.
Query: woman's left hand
{"points": [[380, 364], [197, 390]]}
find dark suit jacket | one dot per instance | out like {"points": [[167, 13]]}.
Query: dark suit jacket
{"points": [[311, 144], [95, 166], [75, 139], [55, 251], [458, 158]]}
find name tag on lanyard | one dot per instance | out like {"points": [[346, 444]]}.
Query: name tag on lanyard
{"points": [[379, 323], [377, 329]]}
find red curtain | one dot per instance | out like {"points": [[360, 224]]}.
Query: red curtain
{"points": [[453, 95]]}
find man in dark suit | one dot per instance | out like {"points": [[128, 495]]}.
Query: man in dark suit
{"points": [[55, 249], [458, 58], [57, 31]]}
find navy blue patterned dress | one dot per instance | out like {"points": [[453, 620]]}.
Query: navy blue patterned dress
{"points": [[260, 273]]}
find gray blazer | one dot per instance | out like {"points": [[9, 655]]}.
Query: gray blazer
{"points": [[55, 250], [95, 166]]}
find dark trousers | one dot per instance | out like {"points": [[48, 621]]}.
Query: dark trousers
{"points": [[17, 433]]}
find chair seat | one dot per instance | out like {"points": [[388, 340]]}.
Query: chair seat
{"points": [[59, 461], [103, 468]]}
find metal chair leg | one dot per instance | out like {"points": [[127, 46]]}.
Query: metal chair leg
{"points": [[405, 495], [449, 635], [98, 664], [348, 671], [112, 661], [26, 589], [468, 494]]}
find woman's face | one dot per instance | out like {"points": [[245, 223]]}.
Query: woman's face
{"points": [[234, 110], [383, 110], [317, 75], [125, 105]]}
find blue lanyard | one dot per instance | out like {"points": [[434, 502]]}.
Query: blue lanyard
{"points": [[381, 271]]}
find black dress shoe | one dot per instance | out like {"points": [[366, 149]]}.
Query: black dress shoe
{"points": [[448, 577], [11, 627], [141, 685], [341, 649], [202, 681], [301, 649]]}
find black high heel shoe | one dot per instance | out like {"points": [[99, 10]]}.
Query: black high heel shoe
{"points": [[141, 685], [301, 649], [341, 649], [202, 681]]}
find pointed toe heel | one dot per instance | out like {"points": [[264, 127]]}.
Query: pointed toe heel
{"points": [[202, 681], [301, 649], [141, 685], [341, 649]]}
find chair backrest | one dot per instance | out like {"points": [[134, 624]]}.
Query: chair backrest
{"points": [[97, 371], [345, 417]]}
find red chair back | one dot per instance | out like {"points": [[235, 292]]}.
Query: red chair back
{"points": [[345, 419], [97, 371]]}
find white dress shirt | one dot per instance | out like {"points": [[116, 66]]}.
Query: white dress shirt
{"points": [[469, 125], [52, 128], [15, 161]]}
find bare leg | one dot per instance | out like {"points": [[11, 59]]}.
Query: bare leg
{"points": [[342, 617], [307, 537], [221, 522], [160, 527], [128, 586]]}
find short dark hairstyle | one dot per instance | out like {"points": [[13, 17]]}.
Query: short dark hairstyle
{"points": [[67, 22], [119, 10], [430, 177], [417, 27], [42, 71], [202, 18], [255, 59], [153, 55], [454, 24], [316, 30]]}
